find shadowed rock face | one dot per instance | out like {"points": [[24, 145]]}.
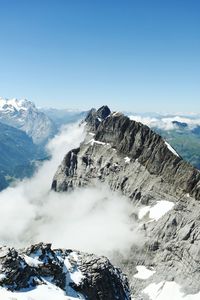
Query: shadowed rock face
{"points": [[94, 118], [28, 268], [132, 159]]}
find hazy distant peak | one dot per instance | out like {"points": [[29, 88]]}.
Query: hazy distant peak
{"points": [[15, 104], [24, 115]]}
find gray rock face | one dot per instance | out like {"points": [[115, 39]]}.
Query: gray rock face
{"points": [[134, 160], [117, 137], [95, 279], [94, 118]]}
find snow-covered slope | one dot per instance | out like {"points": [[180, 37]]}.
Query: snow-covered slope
{"points": [[40, 273], [24, 115]]}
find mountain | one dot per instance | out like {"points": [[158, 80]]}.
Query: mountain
{"points": [[17, 153], [117, 134], [23, 115], [164, 191], [63, 116], [39, 273]]}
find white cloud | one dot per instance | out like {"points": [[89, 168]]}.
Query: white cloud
{"points": [[168, 290], [91, 219], [166, 122]]}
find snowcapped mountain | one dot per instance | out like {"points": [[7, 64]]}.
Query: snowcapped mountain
{"points": [[24, 115]]}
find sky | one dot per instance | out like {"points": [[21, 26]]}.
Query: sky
{"points": [[132, 55]]}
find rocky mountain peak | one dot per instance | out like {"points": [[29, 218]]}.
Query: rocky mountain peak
{"points": [[95, 117], [64, 272], [103, 112], [116, 136]]}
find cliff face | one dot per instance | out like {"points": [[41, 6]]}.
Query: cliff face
{"points": [[68, 274], [137, 162], [121, 152]]}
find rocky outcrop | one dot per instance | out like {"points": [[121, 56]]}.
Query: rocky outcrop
{"points": [[94, 118], [76, 273]]}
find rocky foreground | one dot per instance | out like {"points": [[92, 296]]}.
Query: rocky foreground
{"points": [[40, 272]]}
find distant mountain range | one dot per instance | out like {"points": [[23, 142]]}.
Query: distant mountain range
{"points": [[24, 133], [23, 115]]}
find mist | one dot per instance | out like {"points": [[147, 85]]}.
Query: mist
{"points": [[166, 123], [91, 219]]}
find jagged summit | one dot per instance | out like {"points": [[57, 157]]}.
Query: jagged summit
{"points": [[95, 117], [103, 112], [15, 104], [39, 271]]}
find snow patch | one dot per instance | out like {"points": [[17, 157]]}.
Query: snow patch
{"points": [[2, 277], [93, 141], [127, 160], [41, 292], [157, 211], [115, 113], [143, 211], [171, 149], [91, 133], [77, 276], [143, 272], [168, 290], [33, 262], [74, 273]]}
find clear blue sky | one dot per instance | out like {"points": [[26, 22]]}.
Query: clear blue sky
{"points": [[138, 55]]}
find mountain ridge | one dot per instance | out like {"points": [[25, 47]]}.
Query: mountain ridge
{"points": [[141, 144]]}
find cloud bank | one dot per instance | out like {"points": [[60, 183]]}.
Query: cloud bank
{"points": [[166, 122], [91, 219]]}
